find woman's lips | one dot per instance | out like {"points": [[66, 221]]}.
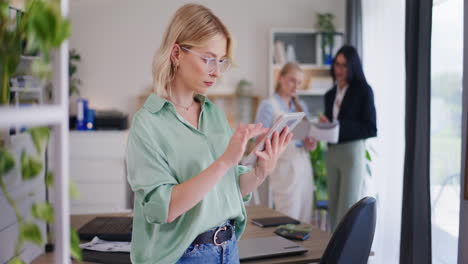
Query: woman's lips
{"points": [[209, 84]]}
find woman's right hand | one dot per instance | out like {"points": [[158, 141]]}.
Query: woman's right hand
{"points": [[236, 148], [323, 119]]}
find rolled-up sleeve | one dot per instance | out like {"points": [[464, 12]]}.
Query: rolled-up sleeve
{"points": [[241, 169], [150, 178]]}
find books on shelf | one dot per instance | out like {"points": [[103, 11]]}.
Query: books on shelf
{"points": [[279, 56], [320, 85]]}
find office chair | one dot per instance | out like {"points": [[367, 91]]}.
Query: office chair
{"points": [[352, 240]]}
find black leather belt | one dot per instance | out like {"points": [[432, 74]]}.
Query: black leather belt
{"points": [[218, 236]]}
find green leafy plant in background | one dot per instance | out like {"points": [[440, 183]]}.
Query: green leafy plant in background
{"points": [[41, 28], [73, 60], [327, 29], [243, 87], [317, 158], [30, 168]]}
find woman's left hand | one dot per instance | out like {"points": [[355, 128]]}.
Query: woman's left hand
{"points": [[269, 156], [310, 143]]}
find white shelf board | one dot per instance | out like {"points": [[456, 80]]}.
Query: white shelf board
{"points": [[306, 67], [311, 92], [29, 58], [220, 92], [31, 115], [26, 89]]}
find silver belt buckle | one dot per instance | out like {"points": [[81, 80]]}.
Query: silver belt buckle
{"points": [[215, 237]]}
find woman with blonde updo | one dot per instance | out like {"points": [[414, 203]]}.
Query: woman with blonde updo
{"points": [[291, 183]]}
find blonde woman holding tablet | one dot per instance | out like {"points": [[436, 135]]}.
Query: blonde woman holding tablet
{"points": [[183, 156]]}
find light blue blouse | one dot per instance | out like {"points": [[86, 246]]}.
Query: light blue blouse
{"points": [[265, 112]]}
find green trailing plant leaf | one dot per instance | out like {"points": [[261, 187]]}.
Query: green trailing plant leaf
{"points": [[368, 156], [75, 245], [73, 190], [40, 136], [43, 211], [16, 260], [7, 161], [49, 179], [30, 166], [31, 232], [3, 9]]}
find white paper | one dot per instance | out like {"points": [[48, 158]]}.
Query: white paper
{"points": [[106, 246], [327, 132]]}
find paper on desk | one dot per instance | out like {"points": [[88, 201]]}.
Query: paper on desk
{"points": [[106, 246], [328, 132]]}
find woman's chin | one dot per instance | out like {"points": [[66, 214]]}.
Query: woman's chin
{"points": [[202, 90]]}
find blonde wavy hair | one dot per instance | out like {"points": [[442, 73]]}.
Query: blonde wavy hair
{"points": [[191, 26], [285, 70]]}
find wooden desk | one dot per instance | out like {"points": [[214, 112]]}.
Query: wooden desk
{"points": [[316, 243]]}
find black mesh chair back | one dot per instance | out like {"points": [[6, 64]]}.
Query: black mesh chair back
{"points": [[352, 240]]}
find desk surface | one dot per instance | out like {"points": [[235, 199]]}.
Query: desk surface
{"points": [[316, 243]]}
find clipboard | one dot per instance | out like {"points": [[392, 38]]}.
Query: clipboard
{"points": [[328, 132], [287, 119]]}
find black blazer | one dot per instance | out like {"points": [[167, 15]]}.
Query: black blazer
{"points": [[357, 113]]}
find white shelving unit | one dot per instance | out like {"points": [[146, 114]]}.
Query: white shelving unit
{"points": [[306, 45], [55, 116]]}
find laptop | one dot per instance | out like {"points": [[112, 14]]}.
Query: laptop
{"points": [[107, 228], [268, 247]]}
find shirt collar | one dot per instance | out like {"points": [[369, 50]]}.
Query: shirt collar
{"points": [[155, 103], [280, 100]]}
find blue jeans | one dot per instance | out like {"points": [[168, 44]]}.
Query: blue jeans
{"points": [[211, 254]]}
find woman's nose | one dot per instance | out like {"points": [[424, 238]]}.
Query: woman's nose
{"points": [[216, 72]]}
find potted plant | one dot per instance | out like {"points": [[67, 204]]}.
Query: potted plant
{"points": [[243, 87], [37, 30], [327, 31]]}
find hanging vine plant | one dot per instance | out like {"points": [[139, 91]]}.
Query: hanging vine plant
{"points": [[36, 31]]}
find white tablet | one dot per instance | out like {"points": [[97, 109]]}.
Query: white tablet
{"points": [[287, 119]]}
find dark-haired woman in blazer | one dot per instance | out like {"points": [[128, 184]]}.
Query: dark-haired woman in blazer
{"points": [[351, 103]]}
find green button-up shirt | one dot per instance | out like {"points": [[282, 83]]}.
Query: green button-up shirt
{"points": [[165, 150]]}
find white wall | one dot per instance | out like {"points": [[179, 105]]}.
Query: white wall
{"points": [[117, 40], [463, 236]]}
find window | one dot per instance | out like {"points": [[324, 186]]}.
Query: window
{"points": [[446, 121]]}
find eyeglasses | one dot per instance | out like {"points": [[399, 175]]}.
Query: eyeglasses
{"points": [[340, 65], [211, 63]]}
